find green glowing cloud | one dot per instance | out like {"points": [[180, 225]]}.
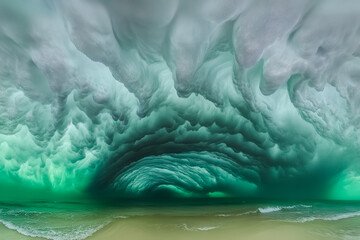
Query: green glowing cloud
{"points": [[169, 98]]}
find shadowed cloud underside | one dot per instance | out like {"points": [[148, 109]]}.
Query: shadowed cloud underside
{"points": [[167, 98]]}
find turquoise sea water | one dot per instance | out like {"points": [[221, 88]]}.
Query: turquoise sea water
{"points": [[79, 220]]}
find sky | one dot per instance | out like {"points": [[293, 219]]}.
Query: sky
{"points": [[168, 98]]}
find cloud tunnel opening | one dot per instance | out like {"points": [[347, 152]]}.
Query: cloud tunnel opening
{"points": [[180, 99], [183, 175]]}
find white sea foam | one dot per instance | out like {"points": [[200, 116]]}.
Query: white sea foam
{"points": [[246, 213], [264, 210], [224, 215], [238, 214], [330, 218], [279, 208], [77, 234], [305, 206], [274, 209], [206, 228], [269, 209]]}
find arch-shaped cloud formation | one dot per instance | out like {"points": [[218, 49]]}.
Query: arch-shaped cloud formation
{"points": [[180, 98]]}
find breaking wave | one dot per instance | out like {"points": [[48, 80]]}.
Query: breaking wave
{"points": [[335, 217], [53, 234]]}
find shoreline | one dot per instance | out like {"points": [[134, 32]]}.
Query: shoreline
{"points": [[227, 222], [140, 229]]}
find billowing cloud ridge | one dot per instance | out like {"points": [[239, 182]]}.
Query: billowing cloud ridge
{"points": [[169, 98]]}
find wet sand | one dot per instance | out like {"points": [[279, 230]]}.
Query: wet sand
{"points": [[10, 234], [164, 228]]}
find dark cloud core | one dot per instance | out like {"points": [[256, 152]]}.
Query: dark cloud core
{"points": [[169, 98]]}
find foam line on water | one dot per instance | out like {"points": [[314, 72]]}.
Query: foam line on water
{"points": [[330, 218], [205, 228], [77, 234]]}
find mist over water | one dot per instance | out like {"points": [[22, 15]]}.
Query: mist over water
{"points": [[173, 99]]}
